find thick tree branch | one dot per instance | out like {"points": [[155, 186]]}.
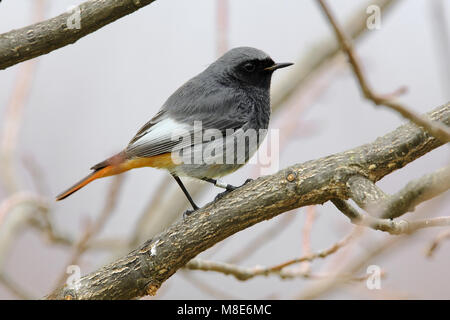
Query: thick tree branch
{"points": [[43, 37], [372, 199], [143, 270], [366, 194]]}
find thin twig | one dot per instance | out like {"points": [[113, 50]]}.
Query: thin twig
{"points": [[9, 140], [318, 255], [140, 230], [14, 287], [339, 277], [398, 226], [322, 52], [222, 18], [441, 37], [262, 238], [204, 286], [444, 235], [22, 198], [14, 112], [93, 229], [438, 130], [306, 237], [243, 273], [12, 123]]}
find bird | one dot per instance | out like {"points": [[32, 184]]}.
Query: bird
{"points": [[230, 99]]}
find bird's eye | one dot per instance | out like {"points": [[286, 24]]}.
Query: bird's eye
{"points": [[249, 67]]}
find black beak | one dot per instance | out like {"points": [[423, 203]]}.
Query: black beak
{"points": [[278, 66]]}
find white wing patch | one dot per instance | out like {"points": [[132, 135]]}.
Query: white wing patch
{"points": [[165, 130]]}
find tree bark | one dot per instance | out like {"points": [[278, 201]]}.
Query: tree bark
{"points": [[43, 37], [143, 270]]}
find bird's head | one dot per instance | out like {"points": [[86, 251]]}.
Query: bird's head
{"points": [[248, 65]]}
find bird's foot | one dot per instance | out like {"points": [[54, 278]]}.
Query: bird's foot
{"points": [[222, 194], [187, 213], [229, 189]]}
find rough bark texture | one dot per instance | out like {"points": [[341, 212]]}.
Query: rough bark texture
{"points": [[143, 270], [43, 37]]}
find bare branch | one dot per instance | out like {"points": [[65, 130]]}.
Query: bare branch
{"points": [[207, 288], [372, 199], [436, 129], [43, 37], [21, 199], [13, 287], [306, 236], [243, 273], [441, 37], [82, 245], [321, 254], [222, 17], [265, 236], [365, 193], [322, 53], [445, 235], [327, 284], [388, 225], [416, 192], [143, 270]]}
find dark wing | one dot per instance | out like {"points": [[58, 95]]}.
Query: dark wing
{"points": [[165, 133], [169, 134], [216, 106], [146, 127]]}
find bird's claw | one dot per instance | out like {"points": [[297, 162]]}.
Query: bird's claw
{"points": [[222, 194], [187, 213], [229, 189]]}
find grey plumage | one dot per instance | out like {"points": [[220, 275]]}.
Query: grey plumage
{"points": [[224, 96], [230, 100]]}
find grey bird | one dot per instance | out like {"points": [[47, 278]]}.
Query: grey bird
{"points": [[199, 129]]}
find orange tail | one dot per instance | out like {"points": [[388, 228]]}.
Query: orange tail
{"points": [[93, 176], [118, 164]]}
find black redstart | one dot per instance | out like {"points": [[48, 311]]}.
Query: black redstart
{"points": [[226, 102]]}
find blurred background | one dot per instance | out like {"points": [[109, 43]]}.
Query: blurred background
{"points": [[63, 112]]}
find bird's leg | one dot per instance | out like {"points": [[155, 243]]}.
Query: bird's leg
{"points": [[218, 184], [228, 187], [188, 196]]}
